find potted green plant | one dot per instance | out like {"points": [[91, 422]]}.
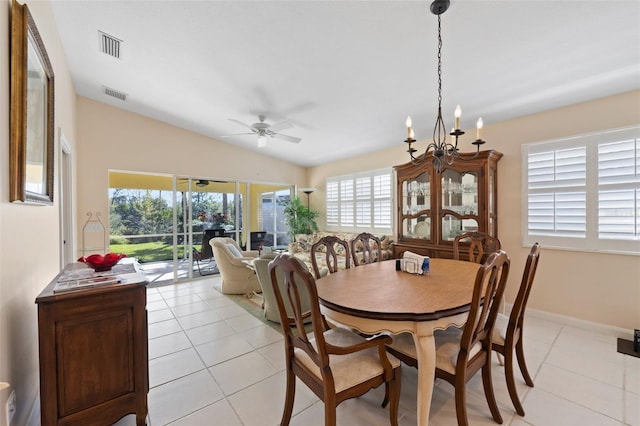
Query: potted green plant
{"points": [[300, 218]]}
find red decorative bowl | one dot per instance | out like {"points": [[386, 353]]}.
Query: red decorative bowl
{"points": [[102, 263]]}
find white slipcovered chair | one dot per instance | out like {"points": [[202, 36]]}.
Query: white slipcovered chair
{"points": [[237, 277]]}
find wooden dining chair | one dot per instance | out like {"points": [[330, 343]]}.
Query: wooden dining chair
{"points": [[461, 353], [335, 363], [370, 249], [507, 335], [481, 246], [333, 249]]}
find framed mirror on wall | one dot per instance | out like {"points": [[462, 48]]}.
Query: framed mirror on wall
{"points": [[32, 112]]}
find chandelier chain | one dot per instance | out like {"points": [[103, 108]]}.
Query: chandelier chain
{"points": [[439, 64], [443, 151]]}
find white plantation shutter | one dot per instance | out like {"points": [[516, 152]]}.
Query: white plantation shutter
{"points": [[556, 188], [382, 201], [584, 192], [360, 202], [363, 202], [333, 198], [346, 203], [619, 190]]}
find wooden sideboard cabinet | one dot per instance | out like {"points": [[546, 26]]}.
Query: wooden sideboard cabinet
{"points": [[435, 207], [93, 353]]}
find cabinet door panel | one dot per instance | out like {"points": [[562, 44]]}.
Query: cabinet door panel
{"points": [[95, 360]]}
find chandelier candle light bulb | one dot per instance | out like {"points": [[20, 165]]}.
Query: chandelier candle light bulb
{"points": [[457, 113], [479, 125], [409, 129]]}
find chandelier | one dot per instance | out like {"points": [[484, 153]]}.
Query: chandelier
{"points": [[443, 151]]}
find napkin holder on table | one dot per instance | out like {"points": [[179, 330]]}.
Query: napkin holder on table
{"points": [[413, 263]]}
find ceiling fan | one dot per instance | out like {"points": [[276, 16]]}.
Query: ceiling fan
{"points": [[264, 130]]}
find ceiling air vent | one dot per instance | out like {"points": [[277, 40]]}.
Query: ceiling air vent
{"points": [[114, 93], [109, 45]]}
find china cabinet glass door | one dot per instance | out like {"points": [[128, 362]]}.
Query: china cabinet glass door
{"points": [[416, 207], [459, 211]]}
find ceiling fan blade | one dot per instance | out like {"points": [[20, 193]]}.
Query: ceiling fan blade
{"points": [[281, 126], [242, 124], [235, 134], [287, 138]]}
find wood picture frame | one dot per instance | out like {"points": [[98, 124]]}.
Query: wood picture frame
{"points": [[31, 152]]}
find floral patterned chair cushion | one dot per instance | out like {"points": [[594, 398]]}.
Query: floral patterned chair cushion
{"points": [[301, 248]]}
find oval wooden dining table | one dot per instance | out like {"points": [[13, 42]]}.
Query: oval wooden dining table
{"points": [[377, 298]]}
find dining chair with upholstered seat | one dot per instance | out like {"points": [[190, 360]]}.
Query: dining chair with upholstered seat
{"points": [[507, 336], [334, 362], [370, 251], [333, 249], [462, 352], [480, 246]]}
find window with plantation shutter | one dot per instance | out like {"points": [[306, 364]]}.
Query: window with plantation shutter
{"points": [[333, 198], [360, 202], [583, 193]]}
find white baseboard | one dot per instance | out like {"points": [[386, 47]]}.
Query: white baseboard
{"points": [[578, 323]]}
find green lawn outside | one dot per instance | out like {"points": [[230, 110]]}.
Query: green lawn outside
{"points": [[147, 252]]}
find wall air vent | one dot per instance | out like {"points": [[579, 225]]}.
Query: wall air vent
{"points": [[114, 93], [110, 45]]}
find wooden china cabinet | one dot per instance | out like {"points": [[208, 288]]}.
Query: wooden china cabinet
{"points": [[435, 207]]}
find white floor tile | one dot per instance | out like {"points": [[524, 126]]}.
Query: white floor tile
{"points": [[182, 300], [159, 315], [546, 409], [241, 372], [274, 353], [191, 308], [582, 390], [168, 344], [198, 319], [230, 311], [156, 305], [263, 403], [587, 363], [173, 366], [223, 349], [632, 408], [163, 328], [632, 374], [209, 332], [220, 413], [260, 336], [244, 322], [212, 363], [178, 398]]}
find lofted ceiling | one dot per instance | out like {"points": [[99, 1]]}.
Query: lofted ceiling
{"points": [[347, 73]]}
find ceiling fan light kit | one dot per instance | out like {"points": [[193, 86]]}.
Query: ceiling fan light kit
{"points": [[264, 130]]}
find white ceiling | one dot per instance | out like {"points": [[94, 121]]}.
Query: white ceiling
{"points": [[347, 73]]}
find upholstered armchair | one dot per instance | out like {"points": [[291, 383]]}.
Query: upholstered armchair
{"points": [[270, 304], [237, 277]]}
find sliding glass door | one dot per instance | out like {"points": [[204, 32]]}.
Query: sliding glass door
{"points": [[165, 222]]}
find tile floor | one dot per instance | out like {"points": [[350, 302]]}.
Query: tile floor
{"points": [[211, 363]]}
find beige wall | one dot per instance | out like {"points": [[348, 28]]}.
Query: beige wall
{"points": [[112, 138], [29, 234], [602, 288]]}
